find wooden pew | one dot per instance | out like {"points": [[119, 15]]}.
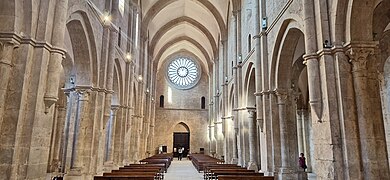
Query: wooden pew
{"points": [[206, 168], [158, 170], [145, 166], [199, 160], [214, 173], [153, 169], [125, 177], [166, 162], [136, 171], [207, 171], [159, 159]]}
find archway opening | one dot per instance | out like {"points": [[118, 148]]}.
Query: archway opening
{"points": [[181, 139]]}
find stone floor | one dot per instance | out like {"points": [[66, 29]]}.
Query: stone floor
{"points": [[182, 170]]}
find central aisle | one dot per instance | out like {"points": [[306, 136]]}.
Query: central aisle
{"points": [[182, 170]]}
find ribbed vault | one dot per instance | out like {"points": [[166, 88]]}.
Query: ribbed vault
{"points": [[175, 26]]}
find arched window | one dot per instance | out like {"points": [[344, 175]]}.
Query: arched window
{"points": [[162, 101], [249, 43], [183, 72], [203, 103]]}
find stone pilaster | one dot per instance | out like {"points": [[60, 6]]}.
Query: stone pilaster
{"points": [[235, 23], [57, 147], [109, 160], [76, 162], [6, 51], [56, 55], [252, 164], [235, 133], [110, 61], [313, 77], [286, 171]]}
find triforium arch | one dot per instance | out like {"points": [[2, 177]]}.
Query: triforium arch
{"points": [[291, 50]]}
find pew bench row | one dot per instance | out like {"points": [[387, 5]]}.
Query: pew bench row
{"points": [[152, 168]]}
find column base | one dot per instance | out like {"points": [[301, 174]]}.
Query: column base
{"points": [[287, 174], [234, 161], [126, 162], [302, 175], [108, 166], [267, 173], [76, 174], [252, 166]]}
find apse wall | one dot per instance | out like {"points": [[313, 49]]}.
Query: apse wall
{"points": [[181, 106]]}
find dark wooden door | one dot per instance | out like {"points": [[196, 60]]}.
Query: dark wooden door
{"points": [[181, 139]]}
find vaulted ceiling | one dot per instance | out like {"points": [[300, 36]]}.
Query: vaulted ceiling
{"points": [[194, 26]]}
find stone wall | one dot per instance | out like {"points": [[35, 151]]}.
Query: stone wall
{"points": [[181, 106]]}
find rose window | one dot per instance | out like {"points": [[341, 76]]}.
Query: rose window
{"points": [[183, 72]]}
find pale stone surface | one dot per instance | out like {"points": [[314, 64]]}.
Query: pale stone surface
{"points": [[51, 52], [182, 170]]}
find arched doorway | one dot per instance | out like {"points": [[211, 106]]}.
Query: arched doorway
{"points": [[181, 139]]}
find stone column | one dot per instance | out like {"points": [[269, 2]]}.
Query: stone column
{"points": [[57, 138], [109, 160], [78, 137], [311, 60], [235, 133], [110, 61], [217, 127], [259, 70], [55, 66], [129, 119], [133, 138], [306, 122], [300, 130], [118, 137], [138, 131], [211, 127], [240, 142], [267, 140], [252, 164], [285, 171], [6, 52], [235, 89], [151, 147], [370, 121]]}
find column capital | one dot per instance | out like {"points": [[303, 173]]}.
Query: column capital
{"points": [[251, 110], [282, 95], [6, 51], [236, 12], [258, 93], [358, 55], [83, 92], [9, 40], [115, 107]]}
